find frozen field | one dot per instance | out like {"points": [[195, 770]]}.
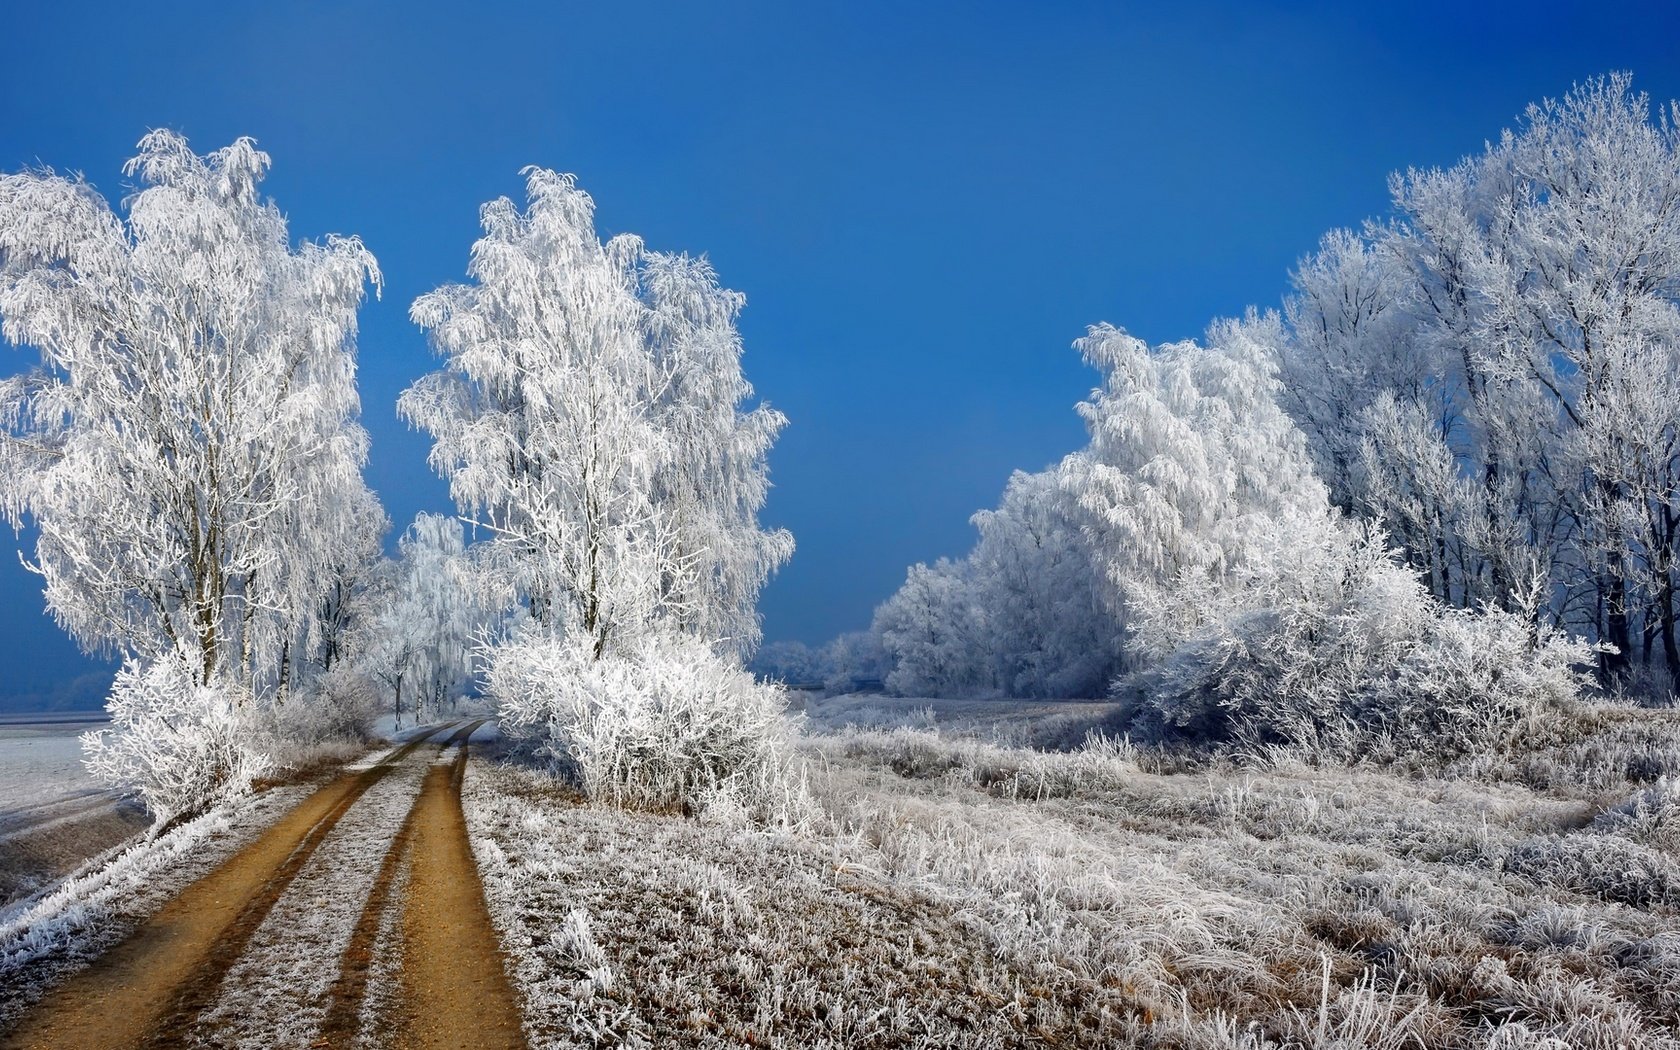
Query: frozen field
{"points": [[960, 887], [52, 814], [41, 758]]}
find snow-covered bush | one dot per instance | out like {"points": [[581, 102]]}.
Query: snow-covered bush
{"points": [[341, 705], [179, 746], [1327, 645], [668, 725]]}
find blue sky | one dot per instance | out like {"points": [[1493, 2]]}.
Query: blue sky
{"points": [[925, 204]]}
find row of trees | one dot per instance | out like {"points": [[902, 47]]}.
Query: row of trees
{"points": [[189, 451], [1495, 374], [1490, 380]]}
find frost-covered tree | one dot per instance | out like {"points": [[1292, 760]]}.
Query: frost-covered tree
{"points": [[1049, 630], [1255, 612], [853, 660], [1191, 462], [423, 637], [934, 633], [790, 662], [713, 480], [542, 415], [353, 593], [1517, 319], [589, 416], [188, 446]]}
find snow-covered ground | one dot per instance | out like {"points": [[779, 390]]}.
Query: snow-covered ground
{"points": [[958, 890], [41, 759]]}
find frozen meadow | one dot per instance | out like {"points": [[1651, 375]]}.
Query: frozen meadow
{"points": [[959, 886], [41, 759]]}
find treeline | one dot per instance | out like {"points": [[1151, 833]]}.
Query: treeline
{"points": [[1485, 386], [190, 451]]}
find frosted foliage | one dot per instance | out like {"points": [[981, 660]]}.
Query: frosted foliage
{"points": [[1331, 648], [188, 446], [934, 631], [181, 744], [421, 640], [714, 480], [1050, 630], [1021, 615], [670, 725], [1493, 373], [1191, 463], [589, 417]]}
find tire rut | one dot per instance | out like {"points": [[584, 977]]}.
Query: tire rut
{"points": [[149, 989], [456, 991], [344, 1014]]}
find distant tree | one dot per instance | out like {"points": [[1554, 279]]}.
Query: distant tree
{"points": [[933, 631], [853, 660], [429, 618], [188, 447], [1049, 630], [792, 662], [352, 594]]}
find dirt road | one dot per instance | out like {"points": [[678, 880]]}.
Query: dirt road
{"points": [[356, 920]]}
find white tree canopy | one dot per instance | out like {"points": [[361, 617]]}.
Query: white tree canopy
{"points": [[189, 445], [589, 416]]}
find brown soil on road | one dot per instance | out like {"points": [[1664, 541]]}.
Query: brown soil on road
{"points": [[148, 990], [456, 992]]}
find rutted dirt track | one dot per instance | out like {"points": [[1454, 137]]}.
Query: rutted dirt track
{"points": [[163, 986]]}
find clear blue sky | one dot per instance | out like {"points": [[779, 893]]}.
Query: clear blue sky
{"points": [[923, 203]]}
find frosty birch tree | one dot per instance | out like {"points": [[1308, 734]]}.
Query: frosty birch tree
{"points": [[589, 417], [542, 416], [188, 446], [934, 632], [714, 480]]}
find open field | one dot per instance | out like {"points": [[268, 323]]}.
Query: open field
{"points": [[955, 892], [53, 815], [950, 886]]}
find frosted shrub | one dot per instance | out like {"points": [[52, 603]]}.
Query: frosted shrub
{"points": [[1327, 646], [669, 725], [340, 706], [179, 746]]}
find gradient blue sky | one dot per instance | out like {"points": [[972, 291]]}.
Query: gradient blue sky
{"points": [[924, 203]]}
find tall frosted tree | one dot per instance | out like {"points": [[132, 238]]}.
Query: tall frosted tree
{"points": [[1494, 375], [714, 479], [188, 445], [589, 417], [1192, 469]]}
